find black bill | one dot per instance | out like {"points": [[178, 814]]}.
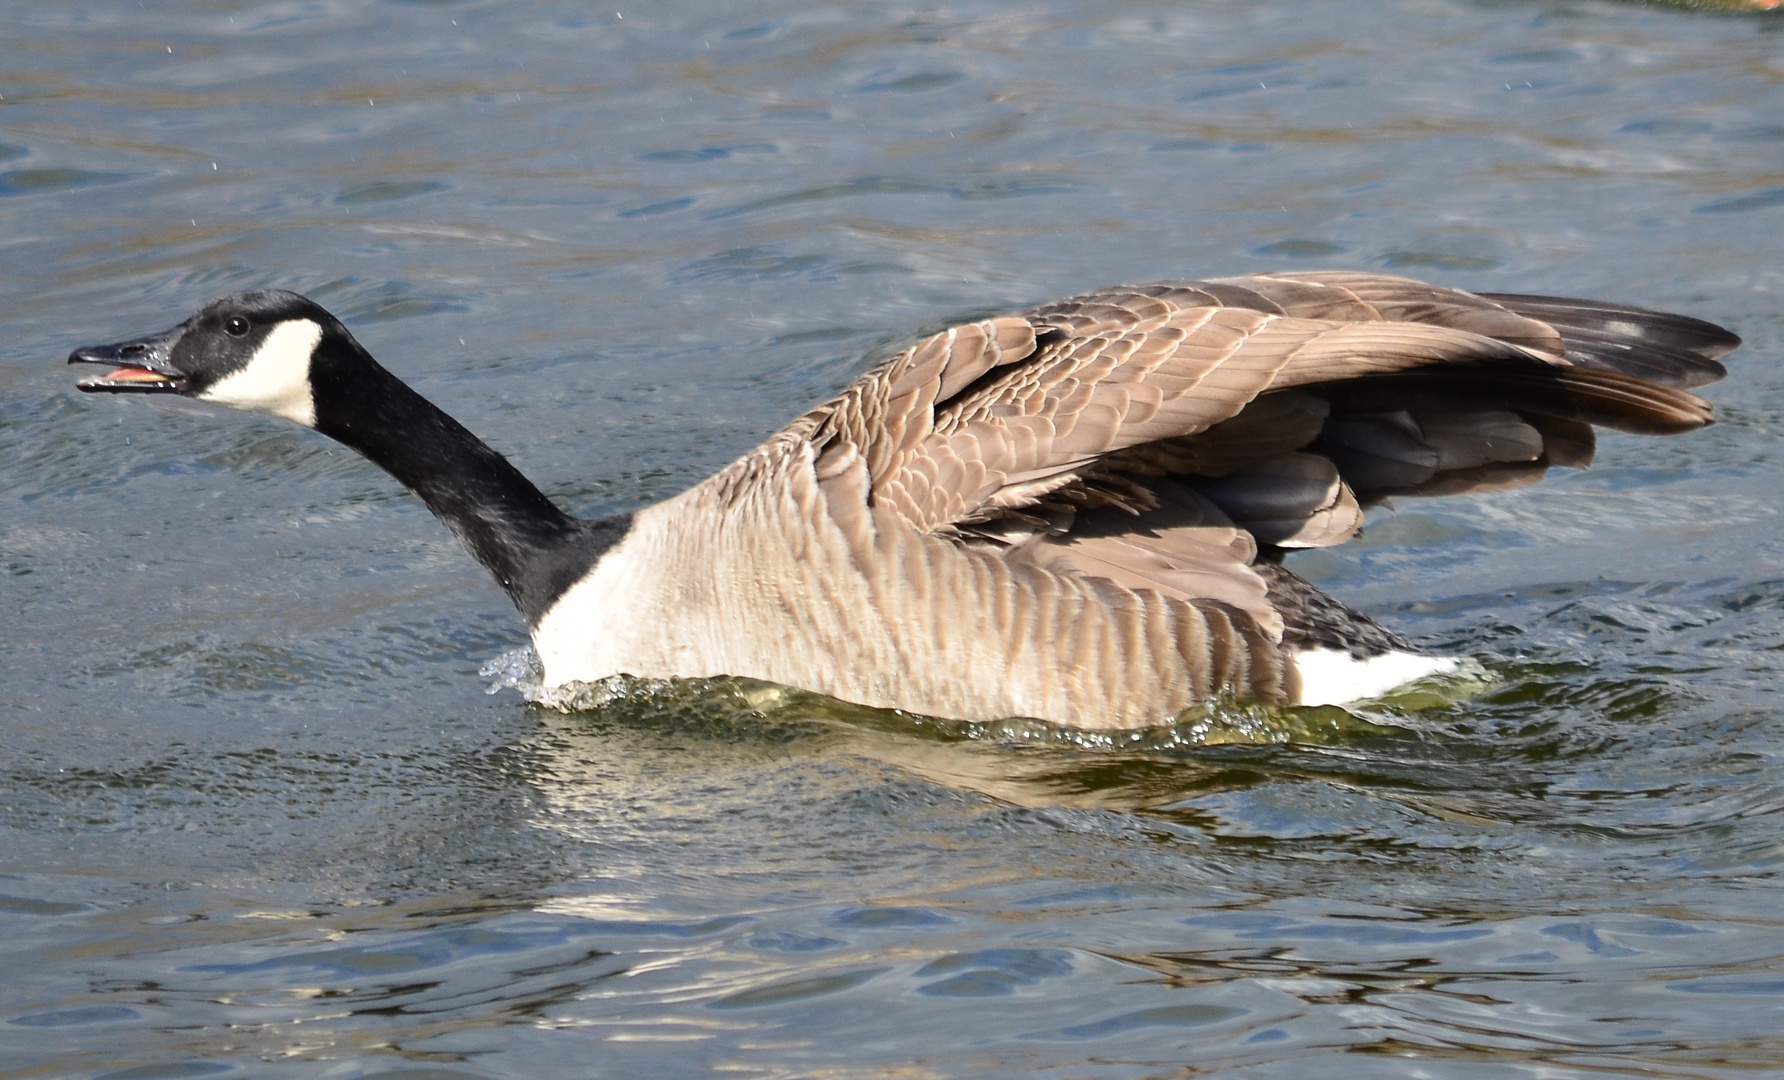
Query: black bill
{"points": [[141, 366]]}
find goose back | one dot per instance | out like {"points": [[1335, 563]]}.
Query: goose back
{"points": [[1078, 512]]}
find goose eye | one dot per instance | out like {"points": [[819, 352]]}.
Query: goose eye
{"points": [[235, 326]]}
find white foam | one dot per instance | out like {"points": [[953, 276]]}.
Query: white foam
{"points": [[276, 379], [1330, 677]]}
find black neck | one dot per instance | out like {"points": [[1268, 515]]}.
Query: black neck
{"points": [[534, 550]]}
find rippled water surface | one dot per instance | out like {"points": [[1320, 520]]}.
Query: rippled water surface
{"points": [[258, 815]]}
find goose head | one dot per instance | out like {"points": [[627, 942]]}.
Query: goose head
{"points": [[261, 351]]}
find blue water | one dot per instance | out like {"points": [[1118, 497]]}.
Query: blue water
{"points": [[258, 816]]}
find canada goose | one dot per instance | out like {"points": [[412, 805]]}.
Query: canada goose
{"points": [[1076, 513]]}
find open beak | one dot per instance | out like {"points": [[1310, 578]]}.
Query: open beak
{"points": [[141, 366]]}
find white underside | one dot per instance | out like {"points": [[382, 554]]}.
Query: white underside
{"points": [[1329, 677]]}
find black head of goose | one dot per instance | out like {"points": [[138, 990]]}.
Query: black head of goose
{"points": [[279, 353], [1076, 513]]}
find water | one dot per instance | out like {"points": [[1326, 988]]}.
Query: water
{"points": [[259, 816]]}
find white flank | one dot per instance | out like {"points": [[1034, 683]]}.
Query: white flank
{"points": [[1329, 677], [276, 379]]}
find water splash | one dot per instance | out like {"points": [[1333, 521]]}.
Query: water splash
{"points": [[517, 669], [520, 670]]}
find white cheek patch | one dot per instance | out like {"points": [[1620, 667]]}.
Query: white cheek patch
{"points": [[276, 379]]}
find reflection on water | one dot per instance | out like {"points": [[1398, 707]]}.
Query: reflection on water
{"points": [[1018, 761], [258, 818]]}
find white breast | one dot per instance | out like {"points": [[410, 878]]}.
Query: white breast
{"points": [[620, 617]]}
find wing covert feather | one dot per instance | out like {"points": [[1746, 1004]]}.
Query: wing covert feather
{"points": [[994, 415], [1078, 399], [1092, 479]]}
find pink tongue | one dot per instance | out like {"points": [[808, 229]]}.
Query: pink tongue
{"points": [[134, 373]]}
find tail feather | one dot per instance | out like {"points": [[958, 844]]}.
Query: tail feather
{"points": [[1673, 350]]}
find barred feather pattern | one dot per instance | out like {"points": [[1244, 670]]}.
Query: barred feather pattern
{"points": [[1060, 513]]}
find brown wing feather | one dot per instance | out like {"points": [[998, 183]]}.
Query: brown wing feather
{"points": [[1053, 436], [1122, 369]]}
